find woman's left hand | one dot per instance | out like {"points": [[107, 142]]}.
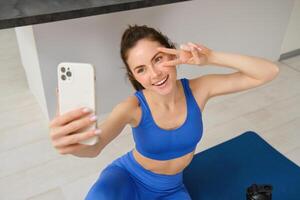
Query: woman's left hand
{"points": [[190, 53]]}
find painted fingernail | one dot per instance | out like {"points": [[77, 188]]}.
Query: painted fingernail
{"points": [[184, 47], [86, 110], [98, 131], [93, 118]]}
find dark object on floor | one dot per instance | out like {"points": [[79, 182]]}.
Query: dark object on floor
{"points": [[228, 169], [259, 192]]}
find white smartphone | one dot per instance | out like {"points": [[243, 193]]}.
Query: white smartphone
{"points": [[76, 85]]}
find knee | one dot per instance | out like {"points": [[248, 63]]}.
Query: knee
{"points": [[113, 183]]}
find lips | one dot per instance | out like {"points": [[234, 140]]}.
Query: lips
{"points": [[159, 83]]}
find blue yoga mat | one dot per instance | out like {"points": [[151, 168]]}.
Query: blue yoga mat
{"points": [[226, 170]]}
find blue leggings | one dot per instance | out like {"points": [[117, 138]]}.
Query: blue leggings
{"points": [[126, 179]]}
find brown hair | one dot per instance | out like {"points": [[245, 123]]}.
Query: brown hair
{"points": [[130, 38]]}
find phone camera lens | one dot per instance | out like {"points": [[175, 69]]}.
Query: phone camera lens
{"points": [[69, 74], [63, 77], [62, 69]]}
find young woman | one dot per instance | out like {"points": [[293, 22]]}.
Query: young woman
{"points": [[165, 115]]}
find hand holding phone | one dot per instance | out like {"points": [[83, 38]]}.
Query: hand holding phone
{"points": [[76, 85], [63, 127]]}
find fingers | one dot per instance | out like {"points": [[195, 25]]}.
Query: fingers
{"points": [[171, 63], [168, 51], [189, 53], [194, 45], [196, 55], [185, 47], [74, 138], [71, 148], [69, 116], [196, 51], [73, 127], [201, 48]]}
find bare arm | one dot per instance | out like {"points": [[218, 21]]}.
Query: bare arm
{"points": [[62, 129], [252, 72], [121, 115]]}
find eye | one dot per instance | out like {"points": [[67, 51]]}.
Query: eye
{"points": [[158, 58], [140, 70]]}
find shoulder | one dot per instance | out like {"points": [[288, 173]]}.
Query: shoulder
{"points": [[129, 108], [207, 84], [130, 102], [198, 84], [128, 105], [199, 90]]}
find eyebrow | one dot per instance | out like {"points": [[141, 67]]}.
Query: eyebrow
{"points": [[151, 61]]}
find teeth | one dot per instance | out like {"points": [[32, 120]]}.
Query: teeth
{"points": [[160, 82]]}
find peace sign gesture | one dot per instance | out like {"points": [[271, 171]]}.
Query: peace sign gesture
{"points": [[190, 53]]}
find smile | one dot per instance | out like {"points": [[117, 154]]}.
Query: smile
{"points": [[161, 82]]}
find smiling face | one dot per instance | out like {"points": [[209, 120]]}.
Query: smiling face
{"points": [[145, 60]]}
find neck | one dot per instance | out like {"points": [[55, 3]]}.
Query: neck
{"points": [[168, 101]]}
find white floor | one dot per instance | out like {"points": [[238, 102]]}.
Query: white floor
{"points": [[31, 169]]}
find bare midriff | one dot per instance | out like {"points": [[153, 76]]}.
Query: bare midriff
{"points": [[167, 167]]}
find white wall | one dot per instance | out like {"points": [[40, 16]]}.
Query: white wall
{"points": [[30, 62], [292, 36], [247, 27]]}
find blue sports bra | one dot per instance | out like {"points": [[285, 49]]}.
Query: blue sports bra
{"points": [[160, 144]]}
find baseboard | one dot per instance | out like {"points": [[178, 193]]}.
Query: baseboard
{"points": [[289, 54]]}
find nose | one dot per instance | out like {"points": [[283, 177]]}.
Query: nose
{"points": [[155, 71]]}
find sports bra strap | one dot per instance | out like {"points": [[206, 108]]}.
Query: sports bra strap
{"points": [[187, 89], [142, 101]]}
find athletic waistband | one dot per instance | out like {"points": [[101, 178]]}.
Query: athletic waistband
{"points": [[152, 181]]}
